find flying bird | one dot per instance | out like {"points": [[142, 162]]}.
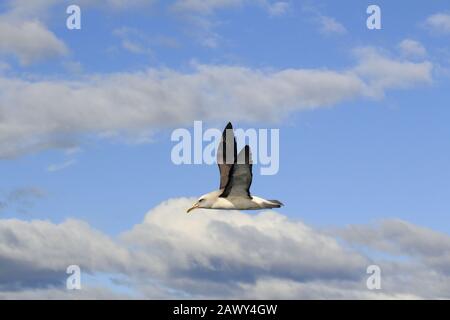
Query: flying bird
{"points": [[235, 180]]}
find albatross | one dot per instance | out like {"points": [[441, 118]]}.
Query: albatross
{"points": [[235, 180]]}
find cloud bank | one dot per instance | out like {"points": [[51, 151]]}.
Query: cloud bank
{"points": [[213, 254], [40, 114]]}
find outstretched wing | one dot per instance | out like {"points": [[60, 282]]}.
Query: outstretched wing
{"points": [[226, 154], [240, 176]]}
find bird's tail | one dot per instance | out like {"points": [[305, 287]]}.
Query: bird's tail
{"points": [[276, 203]]}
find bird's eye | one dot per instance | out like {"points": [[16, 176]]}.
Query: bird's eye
{"points": [[201, 200]]}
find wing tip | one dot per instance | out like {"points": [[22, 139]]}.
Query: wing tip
{"points": [[246, 153], [227, 133], [277, 202]]}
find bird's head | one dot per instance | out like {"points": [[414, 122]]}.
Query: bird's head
{"points": [[204, 201]]}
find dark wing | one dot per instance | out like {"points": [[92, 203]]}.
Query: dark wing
{"points": [[226, 154], [241, 176]]}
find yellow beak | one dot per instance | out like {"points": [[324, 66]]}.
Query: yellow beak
{"points": [[195, 206]]}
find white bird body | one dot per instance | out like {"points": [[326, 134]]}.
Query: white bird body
{"points": [[235, 180], [213, 200]]}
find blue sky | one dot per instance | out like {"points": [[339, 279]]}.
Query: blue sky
{"points": [[356, 161], [376, 152]]}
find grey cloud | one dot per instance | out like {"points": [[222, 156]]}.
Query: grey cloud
{"points": [[20, 199], [400, 237], [36, 250]]}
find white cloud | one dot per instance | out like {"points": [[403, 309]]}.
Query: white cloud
{"points": [[218, 254], [200, 14], [23, 9], [24, 34], [382, 72], [278, 8], [326, 25], [61, 166], [261, 244], [186, 253], [205, 6], [329, 25], [439, 23], [132, 40], [273, 288], [72, 151], [412, 48], [30, 41], [132, 47], [74, 67], [135, 41], [211, 6], [39, 114], [26, 9]]}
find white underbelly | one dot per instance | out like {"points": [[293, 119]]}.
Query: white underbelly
{"points": [[237, 203]]}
